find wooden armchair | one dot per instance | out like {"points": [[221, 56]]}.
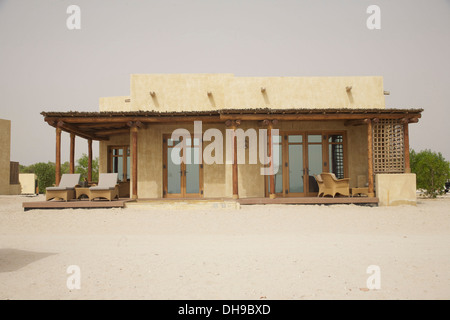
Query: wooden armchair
{"points": [[320, 184], [332, 185]]}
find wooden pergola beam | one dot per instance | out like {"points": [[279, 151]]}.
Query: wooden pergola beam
{"points": [[81, 123], [314, 117], [123, 120], [73, 129], [356, 122], [111, 132], [409, 120], [104, 125]]}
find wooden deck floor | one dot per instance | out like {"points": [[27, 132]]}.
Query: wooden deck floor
{"points": [[311, 200], [84, 204], [75, 204]]}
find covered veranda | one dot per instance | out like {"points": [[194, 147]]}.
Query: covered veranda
{"points": [[101, 126]]}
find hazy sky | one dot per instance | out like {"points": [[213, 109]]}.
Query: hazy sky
{"points": [[44, 66]]}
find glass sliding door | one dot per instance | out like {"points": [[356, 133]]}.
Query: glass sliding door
{"points": [[119, 162], [192, 167], [289, 180], [174, 170], [182, 173], [315, 161], [295, 169], [303, 155], [279, 181]]}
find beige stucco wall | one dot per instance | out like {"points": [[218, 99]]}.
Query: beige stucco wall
{"points": [[305, 92], [189, 92], [27, 182], [396, 189], [5, 145], [120, 103]]}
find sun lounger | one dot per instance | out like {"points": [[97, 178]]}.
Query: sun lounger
{"points": [[107, 187], [66, 189]]}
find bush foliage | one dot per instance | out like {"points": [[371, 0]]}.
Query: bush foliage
{"points": [[45, 172], [432, 171]]}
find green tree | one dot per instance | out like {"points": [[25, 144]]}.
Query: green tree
{"points": [[432, 171], [45, 173], [82, 167], [65, 167], [26, 169]]}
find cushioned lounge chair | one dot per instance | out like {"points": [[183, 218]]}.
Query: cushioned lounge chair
{"points": [[107, 187], [333, 185], [66, 189]]}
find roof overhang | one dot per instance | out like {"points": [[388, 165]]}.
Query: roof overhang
{"points": [[102, 125]]}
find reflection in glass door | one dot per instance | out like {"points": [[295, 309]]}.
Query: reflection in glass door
{"points": [[174, 170], [315, 157], [279, 181], [289, 180], [182, 177], [192, 168], [295, 165]]}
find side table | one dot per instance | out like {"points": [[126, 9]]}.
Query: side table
{"points": [[360, 191]]}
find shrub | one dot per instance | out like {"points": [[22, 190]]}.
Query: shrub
{"points": [[432, 171], [82, 167]]}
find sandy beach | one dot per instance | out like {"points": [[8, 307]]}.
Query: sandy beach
{"points": [[257, 252]]}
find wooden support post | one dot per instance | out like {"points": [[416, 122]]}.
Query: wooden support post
{"points": [[72, 154], [89, 160], [235, 168], [233, 125], [58, 156], [134, 161], [235, 165], [370, 158], [406, 146], [272, 194]]}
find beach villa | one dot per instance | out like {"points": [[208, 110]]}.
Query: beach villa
{"points": [[310, 124]]}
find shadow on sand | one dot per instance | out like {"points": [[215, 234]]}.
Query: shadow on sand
{"points": [[14, 259]]}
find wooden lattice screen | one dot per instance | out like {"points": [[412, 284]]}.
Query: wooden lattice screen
{"points": [[388, 147], [337, 157]]}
